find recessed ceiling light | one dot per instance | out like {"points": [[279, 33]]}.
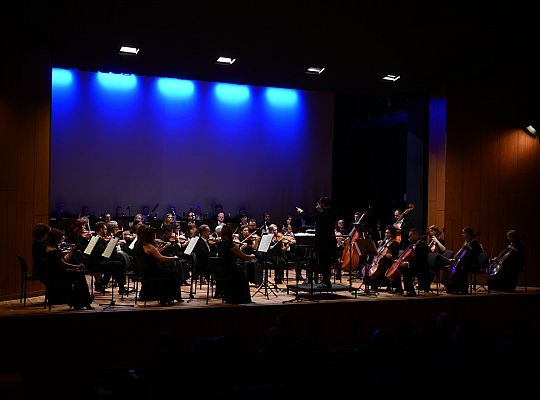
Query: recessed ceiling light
{"points": [[391, 78], [225, 60], [315, 70], [129, 51]]}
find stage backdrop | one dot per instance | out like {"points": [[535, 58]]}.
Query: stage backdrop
{"points": [[126, 140]]}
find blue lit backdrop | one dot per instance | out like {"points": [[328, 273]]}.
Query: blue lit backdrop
{"points": [[127, 140]]}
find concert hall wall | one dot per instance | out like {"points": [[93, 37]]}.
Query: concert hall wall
{"points": [[119, 140]]}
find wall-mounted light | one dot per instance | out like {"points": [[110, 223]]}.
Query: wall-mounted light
{"points": [[530, 130]]}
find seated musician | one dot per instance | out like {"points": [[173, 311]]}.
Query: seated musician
{"points": [[387, 252], [109, 267], [158, 279], [59, 271], [415, 266], [510, 261], [276, 254], [248, 245], [435, 242], [203, 250], [236, 291]]}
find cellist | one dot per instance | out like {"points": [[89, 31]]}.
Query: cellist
{"points": [[463, 261], [510, 261]]}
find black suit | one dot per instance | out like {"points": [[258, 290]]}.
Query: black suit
{"points": [[202, 251], [325, 243]]}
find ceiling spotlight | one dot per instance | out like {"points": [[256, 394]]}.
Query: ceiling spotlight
{"points": [[225, 60], [315, 70], [391, 78], [128, 51]]}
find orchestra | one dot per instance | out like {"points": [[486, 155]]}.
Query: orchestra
{"points": [[398, 256]]}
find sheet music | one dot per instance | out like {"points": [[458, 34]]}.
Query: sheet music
{"points": [[110, 247], [266, 240], [91, 245], [191, 245], [132, 244]]}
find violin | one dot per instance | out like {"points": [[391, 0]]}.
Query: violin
{"points": [[433, 245]]}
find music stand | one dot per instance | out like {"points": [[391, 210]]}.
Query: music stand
{"points": [[193, 283], [264, 246], [304, 241], [366, 247], [107, 254]]}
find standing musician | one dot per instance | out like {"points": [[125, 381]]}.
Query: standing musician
{"points": [[416, 266], [504, 269], [340, 231], [463, 262], [402, 226], [325, 240]]}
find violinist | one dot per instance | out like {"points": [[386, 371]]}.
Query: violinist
{"points": [[248, 243], [276, 255], [504, 269], [109, 267], [436, 244], [203, 249]]}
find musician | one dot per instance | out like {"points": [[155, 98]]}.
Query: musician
{"points": [[391, 253], [415, 266], [377, 232], [248, 243], [436, 244], [236, 290], [473, 249], [356, 220], [402, 225], [512, 260], [325, 243], [276, 255], [113, 266], [267, 221], [158, 278], [202, 251], [39, 245], [58, 270]]}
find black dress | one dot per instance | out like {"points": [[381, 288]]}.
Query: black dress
{"points": [[158, 281], [236, 290], [63, 286]]}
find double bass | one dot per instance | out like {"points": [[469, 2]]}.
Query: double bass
{"points": [[399, 222], [351, 252]]}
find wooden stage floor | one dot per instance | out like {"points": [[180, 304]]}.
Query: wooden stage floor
{"points": [[81, 344]]}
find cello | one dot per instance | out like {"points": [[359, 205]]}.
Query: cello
{"points": [[496, 268], [375, 268], [394, 272], [458, 267]]}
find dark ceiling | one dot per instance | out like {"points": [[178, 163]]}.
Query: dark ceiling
{"points": [[358, 42]]}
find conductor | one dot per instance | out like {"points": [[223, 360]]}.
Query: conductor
{"points": [[325, 242]]}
